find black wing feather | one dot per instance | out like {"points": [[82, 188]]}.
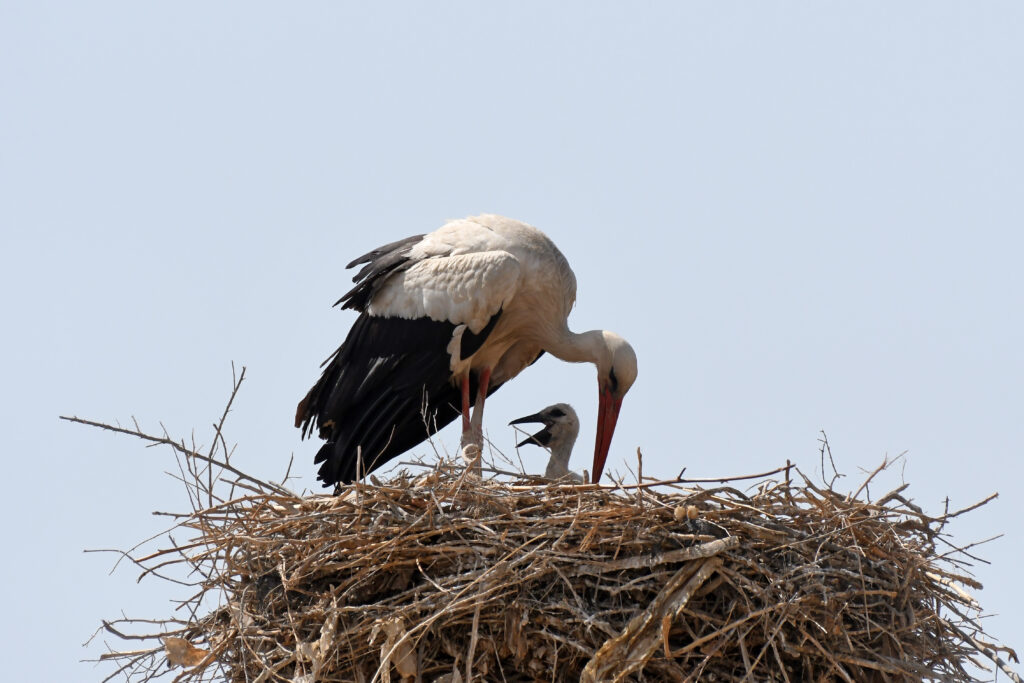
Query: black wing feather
{"points": [[471, 343], [361, 404], [384, 391], [380, 263], [388, 386]]}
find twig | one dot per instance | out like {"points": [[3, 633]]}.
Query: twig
{"points": [[181, 449]]}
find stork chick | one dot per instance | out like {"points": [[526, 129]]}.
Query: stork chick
{"points": [[561, 427]]}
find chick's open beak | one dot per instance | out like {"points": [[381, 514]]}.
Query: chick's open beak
{"points": [[541, 438]]}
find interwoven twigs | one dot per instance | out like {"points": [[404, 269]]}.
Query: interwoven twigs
{"points": [[440, 573], [444, 577]]}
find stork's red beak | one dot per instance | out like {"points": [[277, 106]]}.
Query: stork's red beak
{"points": [[607, 415]]}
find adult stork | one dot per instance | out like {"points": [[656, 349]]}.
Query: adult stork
{"points": [[561, 427], [442, 317]]}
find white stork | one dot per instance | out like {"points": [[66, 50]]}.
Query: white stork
{"points": [[443, 316], [561, 427]]}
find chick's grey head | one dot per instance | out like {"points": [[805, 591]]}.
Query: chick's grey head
{"points": [[561, 427]]}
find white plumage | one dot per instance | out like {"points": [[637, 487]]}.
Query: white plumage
{"points": [[464, 288]]}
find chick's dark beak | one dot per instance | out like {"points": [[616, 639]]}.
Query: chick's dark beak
{"points": [[541, 438]]}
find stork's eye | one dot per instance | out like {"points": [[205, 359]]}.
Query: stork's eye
{"points": [[556, 412], [614, 380]]}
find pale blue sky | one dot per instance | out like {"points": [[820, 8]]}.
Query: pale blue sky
{"points": [[803, 216]]}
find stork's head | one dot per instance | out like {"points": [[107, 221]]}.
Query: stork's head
{"points": [[616, 372], [561, 426]]}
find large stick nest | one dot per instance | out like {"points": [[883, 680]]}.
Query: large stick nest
{"points": [[446, 577]]}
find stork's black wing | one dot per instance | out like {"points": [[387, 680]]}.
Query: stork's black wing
{"points": [[385, 390], [388, 387]]}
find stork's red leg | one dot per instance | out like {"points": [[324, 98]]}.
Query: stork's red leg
{"points": [[473, 431], [465, 405], [478, 408], [481, 392]]}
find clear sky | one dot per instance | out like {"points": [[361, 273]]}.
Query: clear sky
{"points": [[803, 216]]}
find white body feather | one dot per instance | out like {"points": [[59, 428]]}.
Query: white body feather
{"points": [[472, 268]]}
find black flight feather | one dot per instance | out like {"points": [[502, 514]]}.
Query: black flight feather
{"points": [[388, 386]]}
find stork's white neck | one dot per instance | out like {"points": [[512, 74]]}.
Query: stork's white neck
{"points": [[588, 347]]}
